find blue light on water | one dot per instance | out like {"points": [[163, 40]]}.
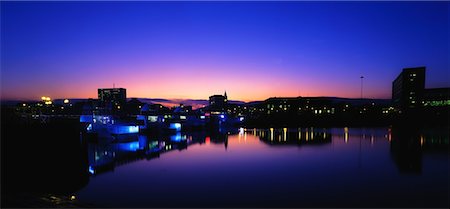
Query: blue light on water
{"points": [[91, 170], [130, 146], [176, 137], [86, 118], [124, 129], [176, 126]]}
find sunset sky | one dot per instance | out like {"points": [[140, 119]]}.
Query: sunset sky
{"points": [[253, 50]]}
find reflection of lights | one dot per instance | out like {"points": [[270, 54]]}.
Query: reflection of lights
{"points": [[299, 133], [284, 133], [307, 134], [421, 140], [346, 134], [91, 170], [271, 134], [176, 137], [241, 131], [176, 126], [389, 134], [130, 146]]}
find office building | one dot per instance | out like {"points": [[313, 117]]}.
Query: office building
{"points": [[115, 96], [408, 89], [218, 102]]}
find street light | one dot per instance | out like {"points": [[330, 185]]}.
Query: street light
{"points": [[362, 86]]}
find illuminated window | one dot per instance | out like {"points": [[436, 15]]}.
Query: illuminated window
{"points": [[152, 118]]}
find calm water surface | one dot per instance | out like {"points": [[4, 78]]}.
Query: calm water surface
{"points": [[305, 167]]}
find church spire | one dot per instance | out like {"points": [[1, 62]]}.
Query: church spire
{"points": [[225, 95]]}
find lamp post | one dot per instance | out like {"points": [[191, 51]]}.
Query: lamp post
{"points": [[362, 86]]}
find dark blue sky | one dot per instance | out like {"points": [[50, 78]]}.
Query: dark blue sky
{"points": [[254, 50]]}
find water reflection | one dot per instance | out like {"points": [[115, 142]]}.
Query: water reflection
{"points": [[104, 154], [406, 144], [228, 165], [409, 143]]}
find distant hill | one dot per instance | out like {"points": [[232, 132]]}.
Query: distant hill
{"points": [[195, 103], [198, 103]]}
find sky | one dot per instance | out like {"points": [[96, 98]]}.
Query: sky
{"points": [[191, 50]]}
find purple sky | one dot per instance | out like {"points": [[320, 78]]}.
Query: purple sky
{"points": [[253, 50]]}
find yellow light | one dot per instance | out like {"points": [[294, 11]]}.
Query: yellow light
{"points": [[299, 134], [346, 134], [271, 134], [72, 197], [24, 104], [43, 98], [307, 135], [66, 101], [118, 107]]}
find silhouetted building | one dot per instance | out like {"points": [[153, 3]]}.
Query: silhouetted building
{"points": [[408, 88], [115, 96], [218, 102], [282, 104]]}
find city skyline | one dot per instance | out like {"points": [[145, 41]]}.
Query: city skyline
{"points": [[191, 50]]}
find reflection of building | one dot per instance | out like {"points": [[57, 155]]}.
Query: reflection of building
{"points": [[408, 88], [117, 96], [406, 149], [218, 102]]}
